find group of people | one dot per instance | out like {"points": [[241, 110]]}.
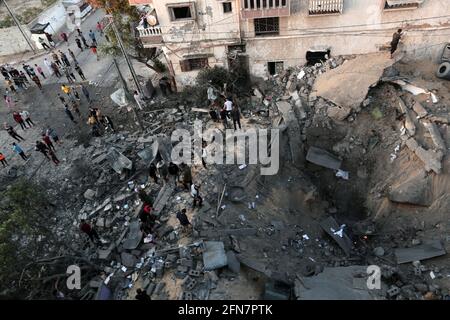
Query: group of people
{"points": [[16, 81], [45, 145], [228, 112], [82, 43]]}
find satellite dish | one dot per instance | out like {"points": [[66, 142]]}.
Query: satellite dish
{"points": [[152, 21]]}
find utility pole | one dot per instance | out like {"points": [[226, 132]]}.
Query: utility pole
{"points": [[122, 48], [127, 93], [19, 26]]}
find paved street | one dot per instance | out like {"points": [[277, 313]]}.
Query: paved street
{"points": [[44, 106]]}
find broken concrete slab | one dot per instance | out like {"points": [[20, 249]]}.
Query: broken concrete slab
{"points": [[89, 194], [347, 85], [419, 109], [409, 123], [233, 263], [431, 159], [276, 290], [430, 249], [128, 260], [118, 161], [323, 158], [295, 141], [416, 190], [134, 236], [338, 113], [435, 135], [253, 264], [163, 196], [328, 225], [214, 256], [332, 284]]}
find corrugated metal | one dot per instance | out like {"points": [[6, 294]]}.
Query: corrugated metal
{"points": [[326, 6], [394, 3]]}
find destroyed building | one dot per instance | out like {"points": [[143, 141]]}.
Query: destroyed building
{"points": [[206, 33]]}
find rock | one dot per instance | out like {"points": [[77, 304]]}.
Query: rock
{"points": [[128, 260], [421, 287], [378, 251], [89, 194], [338, 113], [415, 190], [416, 242], [214, 256]]}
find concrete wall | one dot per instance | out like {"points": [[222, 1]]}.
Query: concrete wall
{"points": [[12, 41], [362, 28], [209, 33]]}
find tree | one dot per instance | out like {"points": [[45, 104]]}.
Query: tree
{"points": [[32, 255], [126, 18]]}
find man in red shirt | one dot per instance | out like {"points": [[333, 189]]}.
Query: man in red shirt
{"points": [[48, 142], [89, 230]]}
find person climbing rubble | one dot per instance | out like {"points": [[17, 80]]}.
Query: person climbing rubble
{"points": [[183, 219], [174, 171], [396, 37], [195, 193], [141, 295], [162, 170], [152, 172], [186, 176], [90, 231]]}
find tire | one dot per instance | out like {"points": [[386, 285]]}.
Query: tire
{"points": [[443, 71]]}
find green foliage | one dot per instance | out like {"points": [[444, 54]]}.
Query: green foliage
{"points": [[158, 65], [29, 14], [24, 215], [217, 75]]}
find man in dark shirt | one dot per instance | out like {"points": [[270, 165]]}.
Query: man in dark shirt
{"points": [[89, 230], [395, 40], [182, 217], [142, 295]]}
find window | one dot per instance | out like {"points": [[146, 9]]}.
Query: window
{"points": [[182, 11], [267, 26], [227, 7], [193, 64], [275, 67]]}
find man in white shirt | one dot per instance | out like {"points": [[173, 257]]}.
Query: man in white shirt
{"points": [[228, 105], [196, 195]]}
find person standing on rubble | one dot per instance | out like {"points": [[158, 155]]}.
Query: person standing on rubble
{"points": [[395, 40], [42, 148], [139, 101], [187, 176], [90, 231], [152, 172], [223, 117], [162, 170], [69, 113], [183, 219], [213, 114], [144, 197], [48, 142], [228, 106], [52, 133], [195, 193], [236, 116], [174, 171], [141, 295]]}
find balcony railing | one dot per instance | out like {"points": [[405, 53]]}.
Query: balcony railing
{"points": [[252, 9], [324, 7], [151, 35]]}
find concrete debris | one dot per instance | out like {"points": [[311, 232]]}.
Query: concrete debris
{"points": [[89, 194], [323, 158], [331, 227], [333, 284], [428, 250], [233, 263], [118, 161], [416, 190], [430, 158], [435, 135], [214, 256], [347, 85]]}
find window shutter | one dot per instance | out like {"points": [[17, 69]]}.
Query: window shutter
{"points": [[185, 65]]}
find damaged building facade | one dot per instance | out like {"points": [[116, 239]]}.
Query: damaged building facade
{"points": [[204, 33]]}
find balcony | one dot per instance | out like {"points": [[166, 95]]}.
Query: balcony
{"points": [[252, 9], [325, 7], [151, 36]]}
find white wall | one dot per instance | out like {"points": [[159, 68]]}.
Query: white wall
{"points": [[12, 41]]}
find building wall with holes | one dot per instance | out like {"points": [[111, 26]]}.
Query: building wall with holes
{"points": [[372, 30]]}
